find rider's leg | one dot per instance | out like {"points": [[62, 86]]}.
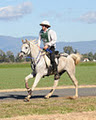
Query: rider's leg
{"points": [[54, 65]]}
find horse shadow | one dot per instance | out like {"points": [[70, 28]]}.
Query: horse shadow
{"points": [[12, 97], [21, 97]]}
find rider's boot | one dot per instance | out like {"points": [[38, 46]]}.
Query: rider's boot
{"points": [[56, 74]]}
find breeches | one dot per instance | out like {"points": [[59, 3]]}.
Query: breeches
{"points": [[52, 58]]}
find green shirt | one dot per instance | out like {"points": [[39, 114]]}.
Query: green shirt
{"points": [[44, 35]]}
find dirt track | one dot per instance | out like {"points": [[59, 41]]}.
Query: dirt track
{"points": [[15, 95], [69, 116]]}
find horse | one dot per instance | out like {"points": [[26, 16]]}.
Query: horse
{"points": [[65, 64]]}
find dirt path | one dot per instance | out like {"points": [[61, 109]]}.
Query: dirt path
{"points": [[48, 88], [20, 95], [68, 116]]}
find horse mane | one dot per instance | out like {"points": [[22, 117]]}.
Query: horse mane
{"points": [[35, 44], [34, 41]]}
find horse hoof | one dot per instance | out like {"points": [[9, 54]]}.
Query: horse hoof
{"points": [[46, 97], [72, 97], [75, 97], [26, 99]]}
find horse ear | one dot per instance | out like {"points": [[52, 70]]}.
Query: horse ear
{"points": [[27, 41], [22, 41]]}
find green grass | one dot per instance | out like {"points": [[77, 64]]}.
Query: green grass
{"points": [[39, 106], [87, 64], [14, 65], [12, 76]]}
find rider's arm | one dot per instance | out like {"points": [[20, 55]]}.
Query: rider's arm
{"points": [[39, 40]]}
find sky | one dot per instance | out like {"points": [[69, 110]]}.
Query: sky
{"points": [[73, 20]]}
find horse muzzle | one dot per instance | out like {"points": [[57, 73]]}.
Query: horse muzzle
{"points": [[21, 54]]}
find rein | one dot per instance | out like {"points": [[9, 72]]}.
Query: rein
{"points": [[32, 58], [37, 59], [48, 50]]}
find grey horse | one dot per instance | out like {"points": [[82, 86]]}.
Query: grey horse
{"points": [[39, 59]]}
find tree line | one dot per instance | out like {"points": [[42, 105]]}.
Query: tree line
{"points": [[10, 57], [90, 55]]}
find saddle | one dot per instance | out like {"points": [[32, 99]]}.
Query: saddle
{"points": [[48, 61], [57, 54]]}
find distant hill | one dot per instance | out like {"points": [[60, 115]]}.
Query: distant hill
{"points": [[14, 44], [8, 43], [82, 47]]}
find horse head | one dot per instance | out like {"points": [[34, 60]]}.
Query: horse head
{"points": [[28, 48], [25, 49]]}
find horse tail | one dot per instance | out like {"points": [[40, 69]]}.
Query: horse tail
{"points": [[76, 57]]}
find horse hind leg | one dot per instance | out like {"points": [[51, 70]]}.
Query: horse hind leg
{"points": [[53, 89], [75, 82]]}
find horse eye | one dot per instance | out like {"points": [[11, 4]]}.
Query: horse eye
{"points": [[26, 47]]}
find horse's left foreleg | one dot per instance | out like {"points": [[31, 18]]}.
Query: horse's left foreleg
{"points": [[31, 75], [37, 79], [53, 89]]}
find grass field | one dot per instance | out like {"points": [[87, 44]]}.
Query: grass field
{"points": [[41, 106], [12, 76]]}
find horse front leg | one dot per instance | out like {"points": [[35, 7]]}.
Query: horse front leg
{"points": [[27, 78], [31, 75], [37, 79], [53, 89]]}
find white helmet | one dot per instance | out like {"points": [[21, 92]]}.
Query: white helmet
{"points": [[45, 23]]}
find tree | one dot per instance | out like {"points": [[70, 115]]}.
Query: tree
{"points": [[75, 51], [94, 56], [85, 55], [68, 49], [18, 59], [2, 56], [90, 56], [10, 56]]}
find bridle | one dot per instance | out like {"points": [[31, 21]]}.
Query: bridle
{"points": [[33, 60], [23, 52]]}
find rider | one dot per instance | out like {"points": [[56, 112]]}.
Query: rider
{"points": [[49, 38]]}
